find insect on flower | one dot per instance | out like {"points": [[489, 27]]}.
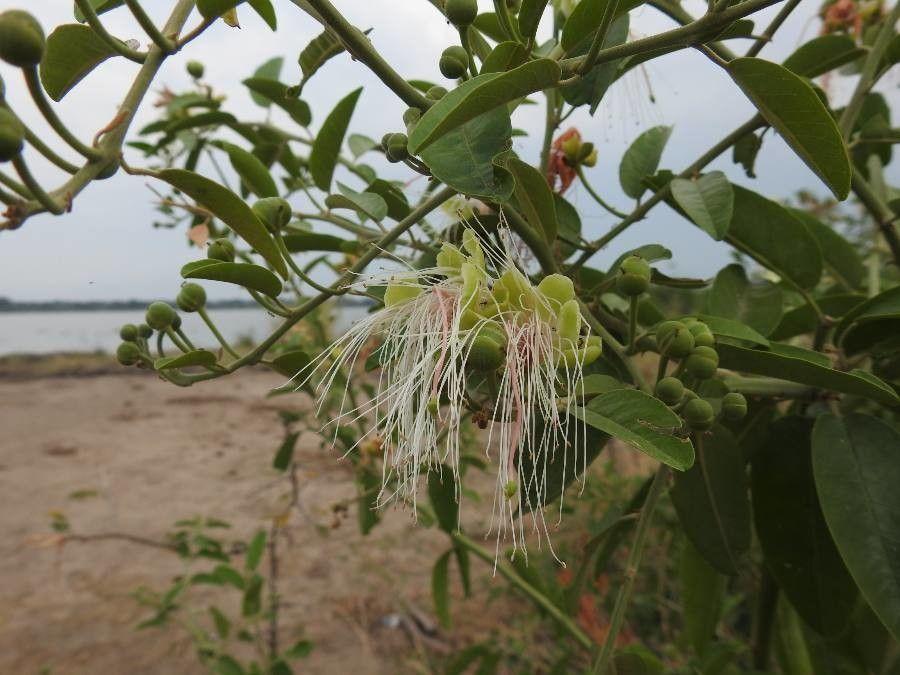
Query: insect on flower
{"points": [[471, 334]]}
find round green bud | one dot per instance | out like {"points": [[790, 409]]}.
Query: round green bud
{"points": [[160, 315], [670, 390], [461, 13], [21, 39], [571, 147], [698, 414], [666, 329], [220, 249], [191, 297], [634, 276], [454, 62], [195, 69], [702, 362], [144, 330], [703, 336], [435, 93], [273, 212], [558, 288], [590, 159], [128, 354], [411, 116], [129, 332], [488, 349], [12, 135], [678, 344], [394, 146], [734, 406]]}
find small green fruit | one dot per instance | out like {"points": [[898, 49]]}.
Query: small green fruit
{"points": [[702, 362], [670, 390], [677, 344], [703, 336], [634, 276], [734, 406], [160, 315], [144, 331], [435, 93], [191, 297], [12, 135], [129, 332], [411, 116], [454, 62], [195, 69], [220, 249], [273, 212], [666, 329], [394, 146], [461, 13], [128, 354], [698, 414], [21, 39]]}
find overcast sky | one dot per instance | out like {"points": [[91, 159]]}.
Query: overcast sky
{"points": [[107, 249]]}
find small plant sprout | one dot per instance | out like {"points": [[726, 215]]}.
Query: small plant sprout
{"points": [[469, 335]]}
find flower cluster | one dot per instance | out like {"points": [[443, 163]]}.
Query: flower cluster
{"points": [[471, 334]]}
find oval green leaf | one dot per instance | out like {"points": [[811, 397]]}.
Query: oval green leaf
{"points": [[247, 275], [367, 203], [641, 160], [277, 93], [534, 198], [822, 54], [707, 200], [72, 52], [197, 357], [327, 146], [252, 171], [733, 296]]}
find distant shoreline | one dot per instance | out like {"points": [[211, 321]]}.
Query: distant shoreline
{"points": [[10, 306]]}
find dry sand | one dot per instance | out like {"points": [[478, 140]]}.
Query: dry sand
{"points": [[142, 454]]}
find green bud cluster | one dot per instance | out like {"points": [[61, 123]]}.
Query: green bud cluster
{"points": [[394, 146], [634, 276], [22, 41], [577, 152]]}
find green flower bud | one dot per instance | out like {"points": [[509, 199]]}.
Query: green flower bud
{"points": [[571, 146], [677, 344], [461, 13], [160, 315], [634, 276], [703, 336], [568, 325], [435, 93], [195, 69], [585, 151], [557, 288], [666, 329], [129, 332], [454, 62], [702, 362], [220, 249], [191, 297], [144, 331], [450, 257], [21, 39], [670, 390], [734, 406], [396, 294], [128, 353], [394, 146], [411, 116], [590, 159], [273, 212], [698, 414], [12, 135], [488, 348]]}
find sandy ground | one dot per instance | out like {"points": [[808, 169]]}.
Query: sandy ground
{"points": [[132, 454]]}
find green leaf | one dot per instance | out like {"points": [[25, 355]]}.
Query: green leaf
{"points": [[468, 159], [534, 198], [793, 108], [643, 422], [290, 363], [247, 275], [252, 171], [266, 12], [796, 364], [803, 319], [397, 206], [530, 16], [838, 254], [299, 650], [366, 203], [211, 118], [585, 19], [443, 496], [440, 589], [711, 501], [226, 665], [479, 95], [322, 47], [197, 357], [707, 200], [702, 593], [730, 328], [641, 160], [311, 241], [285, 454], [822, 54], [277, 93], [568, 224], [327, 146], [360, 144], [775, 238], [100, 6], [790, 526], [268, 71], [228, 575], [593, 85], [856, 464], [72, 52], [880, 313], [255, 550], [756, 304], [230, 209], [505, 56], [251, 603], [223, 625]]}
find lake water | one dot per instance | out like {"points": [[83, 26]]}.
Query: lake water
{"points": [[46, 332]]}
